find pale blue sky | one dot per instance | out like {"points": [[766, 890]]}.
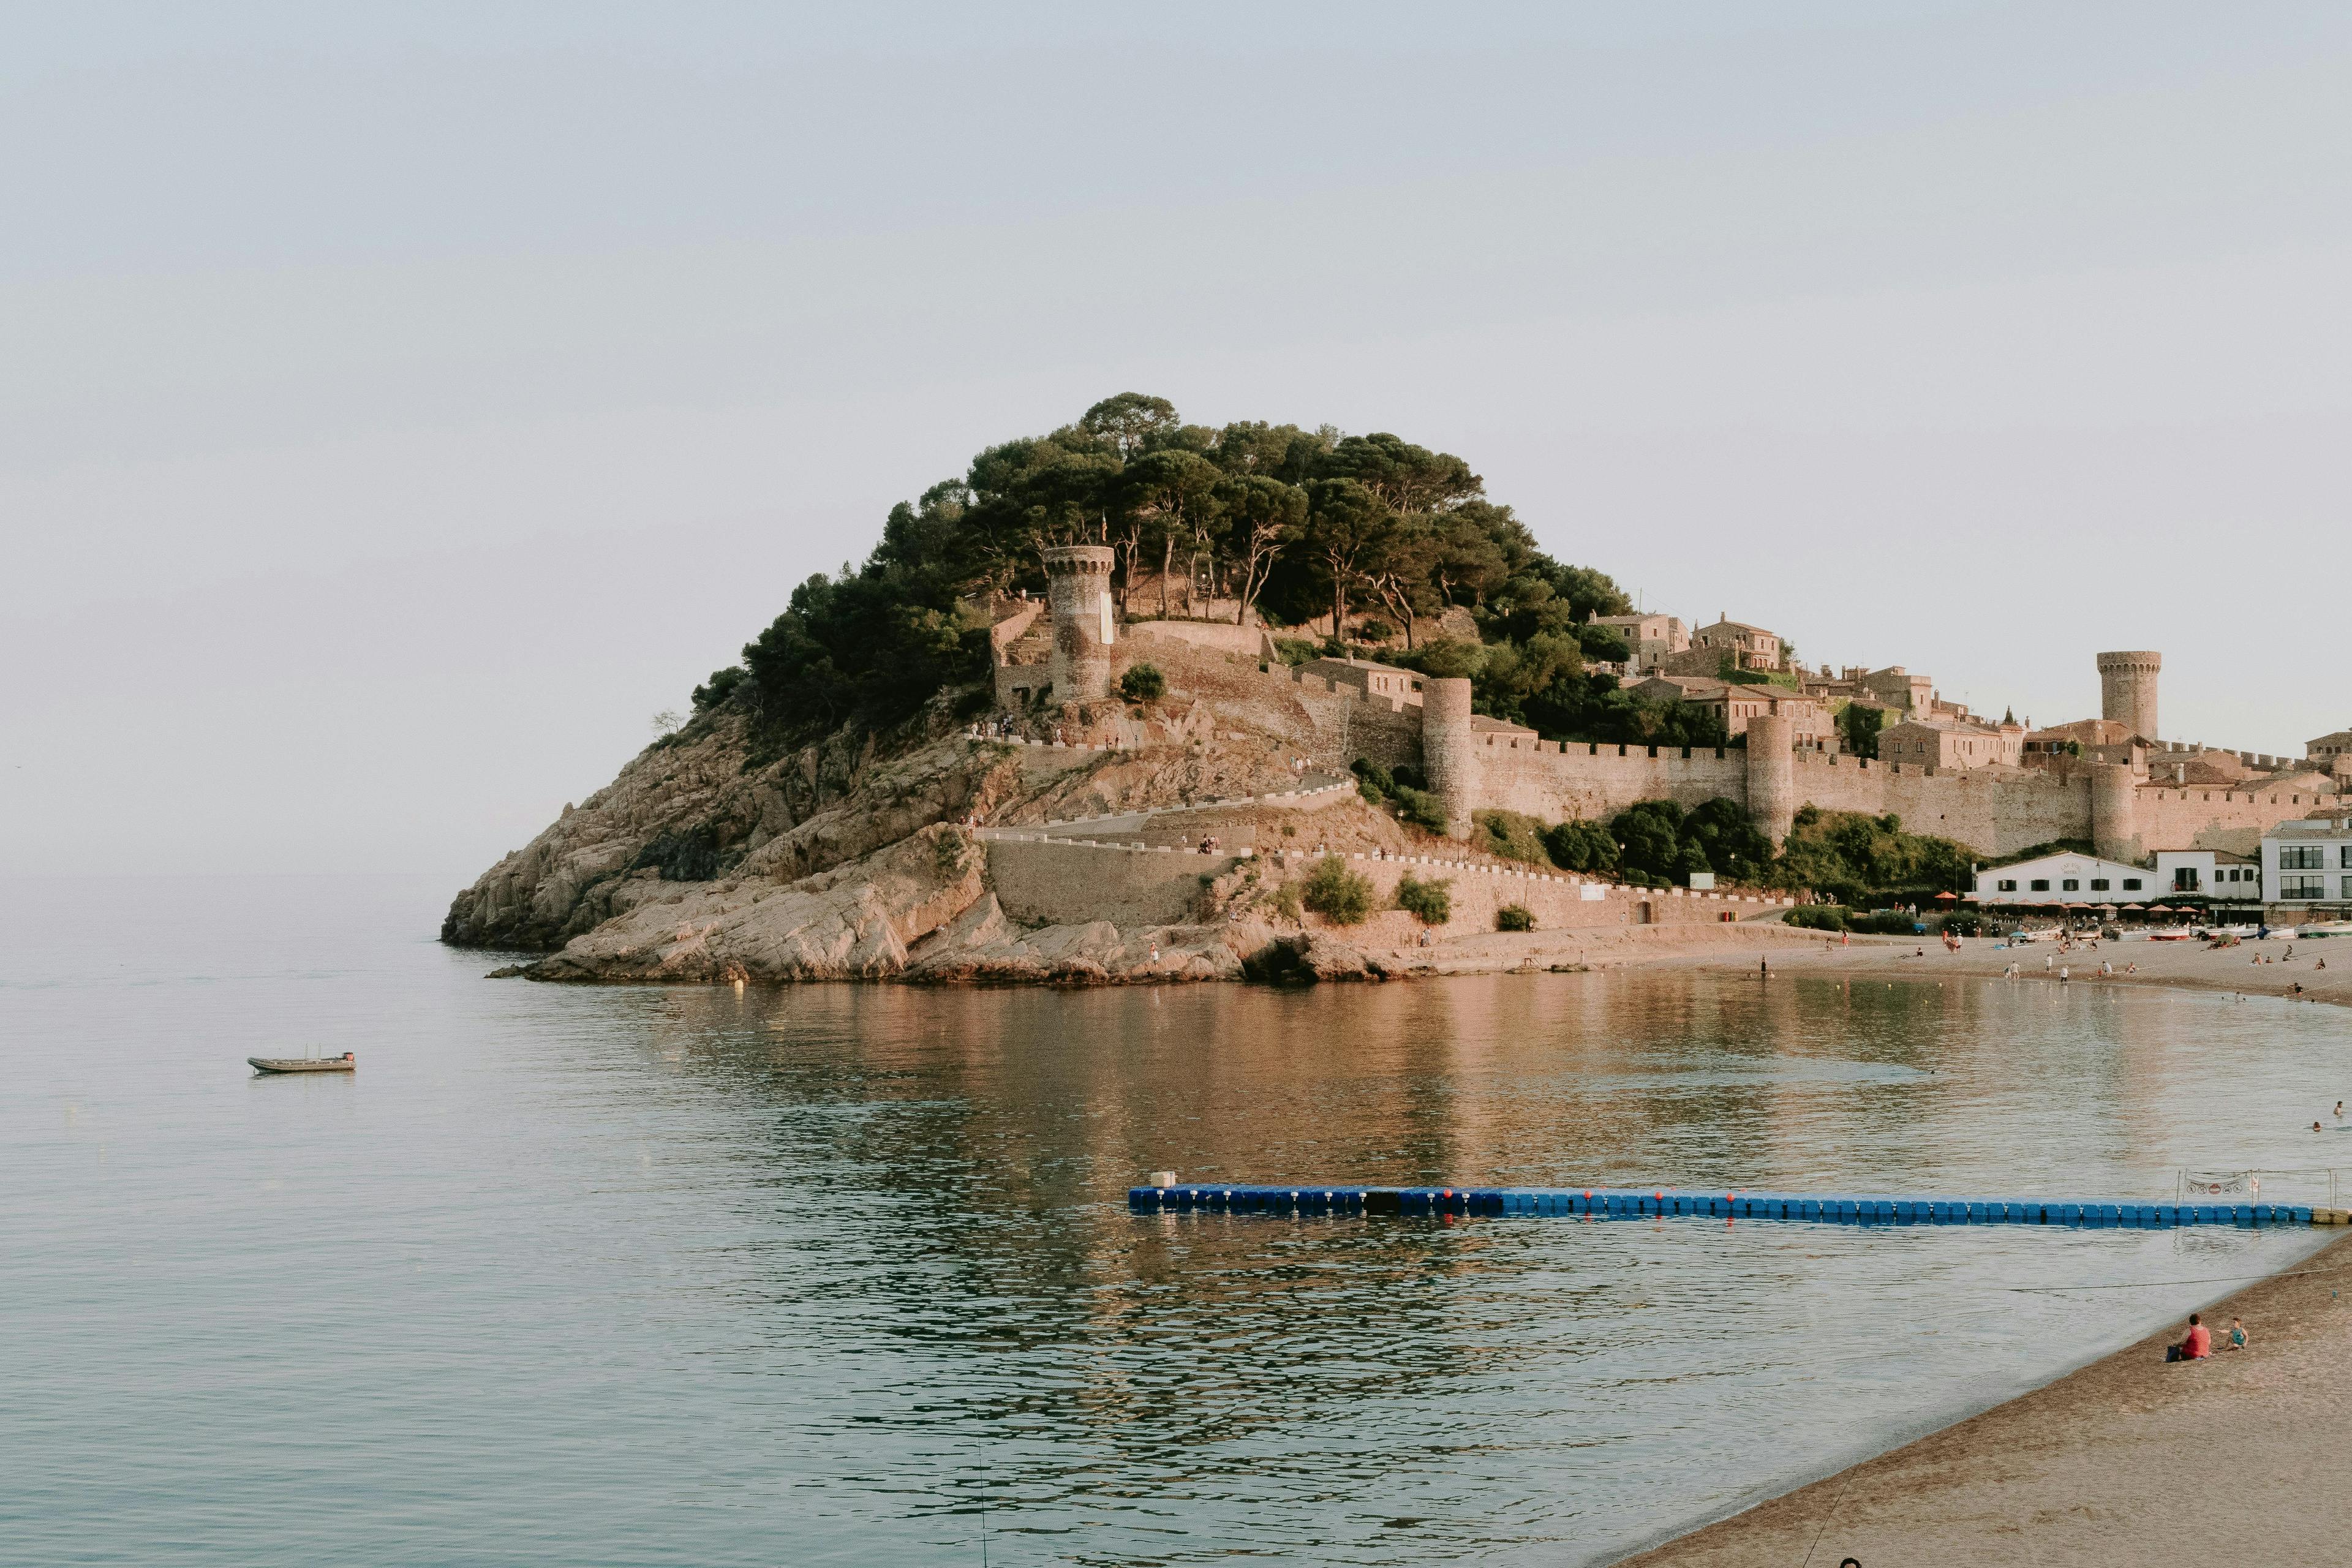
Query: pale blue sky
{"points": [[396, 409]]}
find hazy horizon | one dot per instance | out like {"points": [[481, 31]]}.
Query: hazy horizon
{"points": [[402, 408]]}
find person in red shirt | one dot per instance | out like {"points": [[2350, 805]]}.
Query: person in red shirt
{"points": [[2196, 1346]]}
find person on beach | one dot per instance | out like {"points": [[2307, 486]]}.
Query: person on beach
{"points": [[2196, 1345], [1763, 969], [2063, 977], [2237, 1340], [2339, 1111]]}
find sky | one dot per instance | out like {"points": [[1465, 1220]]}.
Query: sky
{"points": [[400, 406]]}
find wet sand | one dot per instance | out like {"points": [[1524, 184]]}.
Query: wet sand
{"points": [[2127, 1461]]}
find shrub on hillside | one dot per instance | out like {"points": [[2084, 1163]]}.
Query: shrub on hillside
{"points": [[1421, 809], [1818, 917], [1143, 683], [1577, 846], [1511, 835], [1286, 901], [1888, 923], [1515, 916], [1337, 894], [1849, 855], [1431, 902]]}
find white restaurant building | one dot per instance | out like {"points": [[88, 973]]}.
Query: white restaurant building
{"points": [[2066, 878]]}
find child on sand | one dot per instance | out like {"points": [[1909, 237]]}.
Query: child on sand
{"points": [[2237, 1340]]}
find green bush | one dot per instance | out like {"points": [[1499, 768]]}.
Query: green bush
{"points": [[1143, 683], [1513, 917], [1375, 781], [1337, 894], [1297, 651], [1432, 902], [1510, 836], [1286, 901], [1818, 917], [1888, 923], [1576, 846], [1421, 809]]}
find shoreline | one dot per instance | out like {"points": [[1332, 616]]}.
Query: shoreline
{"points": [[2112, 1463]]}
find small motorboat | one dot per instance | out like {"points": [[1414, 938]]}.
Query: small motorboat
{"points": [[344, 1063]]}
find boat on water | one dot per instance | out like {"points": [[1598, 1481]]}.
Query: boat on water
{"points": [[347, 1062]]}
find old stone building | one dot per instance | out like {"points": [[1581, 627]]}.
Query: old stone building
{"points": [[1648, 639], [1372, 680], [1950, 743], [1737, 705], [1750, 647]]}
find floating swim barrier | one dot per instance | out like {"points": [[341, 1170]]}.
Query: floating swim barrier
{"points": [[1615, 1203]]}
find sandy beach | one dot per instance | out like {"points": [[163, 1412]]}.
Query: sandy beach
{"points": [[2293, 970], [2127, 1461]]}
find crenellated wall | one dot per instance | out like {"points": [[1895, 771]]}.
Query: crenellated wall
{"points": [[1995, 810]]}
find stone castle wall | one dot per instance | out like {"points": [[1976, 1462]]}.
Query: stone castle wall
{"points": [[1996, 811]]}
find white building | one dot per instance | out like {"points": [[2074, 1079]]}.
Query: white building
{"points": [[2066, 878], [2309, 861], [2210, 874]]}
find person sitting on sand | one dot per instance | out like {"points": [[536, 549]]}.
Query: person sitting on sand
{"points": [[2195, 1346], [2237, 1340]]}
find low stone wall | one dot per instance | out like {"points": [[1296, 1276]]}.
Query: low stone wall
{"points": [[1557, 902], [1058, 881], [1070, 882], [1249, 642]]}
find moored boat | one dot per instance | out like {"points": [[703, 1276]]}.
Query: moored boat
{"points": [[347, 1062]]}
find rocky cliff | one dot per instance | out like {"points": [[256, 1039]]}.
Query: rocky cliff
{"points": [[708, 861]]}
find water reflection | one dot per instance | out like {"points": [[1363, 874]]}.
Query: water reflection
{"points": [[694, 1277], [1169, 1388]]}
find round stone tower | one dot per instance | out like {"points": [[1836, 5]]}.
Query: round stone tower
{"points": [[2127, 689], [2114, 805], [1078, 595], [1772, 774], [1449, 751]]}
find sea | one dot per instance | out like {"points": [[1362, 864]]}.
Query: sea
{"points": [[844, 1274]]}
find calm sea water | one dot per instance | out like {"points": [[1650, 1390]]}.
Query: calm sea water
{"points": [[844, 1274]]}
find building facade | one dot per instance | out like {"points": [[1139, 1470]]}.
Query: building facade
{"points": [[1365, 676], [2066, 878], [1749, 647], [2210, 874], [2309, 861], [1648, 639], [1952, 743]]}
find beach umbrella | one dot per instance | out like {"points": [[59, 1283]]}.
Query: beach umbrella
{"points": [[2107, 909], [2078, 906], [2142, 907], [1947, 898], [2160, 908]]}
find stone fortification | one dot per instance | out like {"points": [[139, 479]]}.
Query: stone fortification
{"points": [[1067, 881], [1077, 589], [1449, 753], [2127, 689], [1996, 810]]}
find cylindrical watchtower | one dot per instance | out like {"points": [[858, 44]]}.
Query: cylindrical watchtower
{"points": [[2114, 812], [1772, 774], [1449, 751], [2127, 689], [1078, 595]]}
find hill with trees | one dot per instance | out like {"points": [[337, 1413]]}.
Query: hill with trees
{"points": [[1290, 523]]}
